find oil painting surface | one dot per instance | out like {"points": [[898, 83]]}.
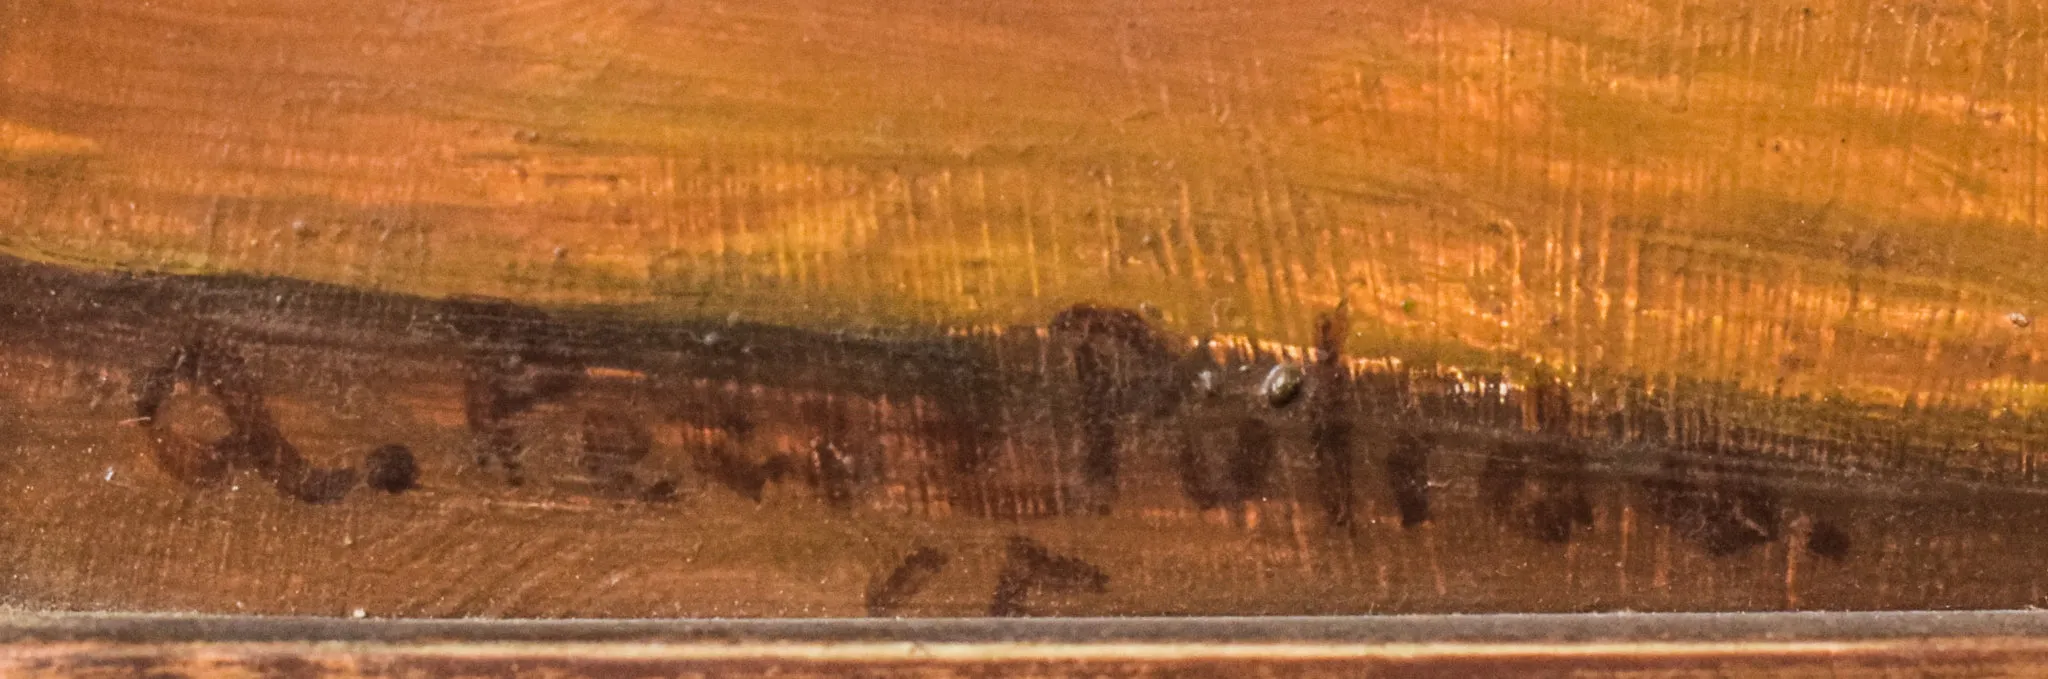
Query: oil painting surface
{"points": [[623, 308]]}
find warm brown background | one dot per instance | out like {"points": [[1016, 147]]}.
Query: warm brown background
{"points": [[1805, 196], [1834, 200]]}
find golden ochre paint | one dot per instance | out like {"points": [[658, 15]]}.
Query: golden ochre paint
{"points": [[635, 307], [1803, 198]]}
